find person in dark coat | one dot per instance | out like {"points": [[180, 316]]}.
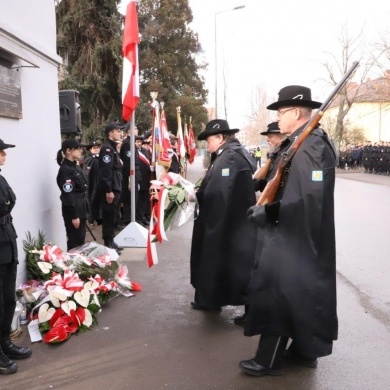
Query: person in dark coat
{"points": [[8, 271], [223, 241], [110, 172], [175, 161], [73, 185], [91, 172], [125, 154], [293, 285], [143, 147]]}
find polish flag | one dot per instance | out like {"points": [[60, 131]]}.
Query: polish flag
{"points": [[130, 81]]}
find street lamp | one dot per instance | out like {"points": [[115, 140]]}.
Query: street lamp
{"points": [[215, 44]]}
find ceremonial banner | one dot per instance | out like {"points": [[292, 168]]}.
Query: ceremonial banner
{"points": [[191, 144], [181, 150], [165, 149]]}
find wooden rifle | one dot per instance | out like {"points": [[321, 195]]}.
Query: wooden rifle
{"points": [[269, 193], [262, 172]]}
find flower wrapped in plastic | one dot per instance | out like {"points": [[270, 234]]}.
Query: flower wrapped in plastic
{"points": [[176, 195], [171, 208], [74, 286]]}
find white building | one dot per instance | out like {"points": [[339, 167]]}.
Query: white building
{"points": [[370, 110], [29, 118]]}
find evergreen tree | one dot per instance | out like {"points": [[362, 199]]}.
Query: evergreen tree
{"points": [[89, 39], [167, 58]]}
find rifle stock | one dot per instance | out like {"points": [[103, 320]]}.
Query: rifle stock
{"points": [[269, 193], [262, 172]]}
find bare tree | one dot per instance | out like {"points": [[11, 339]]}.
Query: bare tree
{"points": [[259, 116], [351, 50]]}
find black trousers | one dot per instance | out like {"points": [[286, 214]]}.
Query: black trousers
{"points": [[270, 351], [76, 237], [110, 216], [7, 296]]}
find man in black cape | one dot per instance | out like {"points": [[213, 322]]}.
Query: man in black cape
{"points": [[293, 284], [223, 240]]}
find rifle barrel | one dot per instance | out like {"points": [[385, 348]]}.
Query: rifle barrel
{"points": [[269, 193]]}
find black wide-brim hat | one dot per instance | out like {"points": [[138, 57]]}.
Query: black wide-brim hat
{"points": [[294, 95], [272, 128], [3, 145], [216, 126]]}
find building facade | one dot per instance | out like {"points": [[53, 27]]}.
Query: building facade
{"points": [[29, 118]]}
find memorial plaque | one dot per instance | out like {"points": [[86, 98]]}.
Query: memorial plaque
{"points": [[10, 90]]}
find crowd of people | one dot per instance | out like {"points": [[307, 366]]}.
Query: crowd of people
{"points": [[96, 187], [274, 254], [373, 157]]}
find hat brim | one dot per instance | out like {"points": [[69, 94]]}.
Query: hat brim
{"points": [[203, 136], [294, 103], [6, 146], [270, 132]]}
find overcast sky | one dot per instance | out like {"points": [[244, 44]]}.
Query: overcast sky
{"points": [[272, 44]]}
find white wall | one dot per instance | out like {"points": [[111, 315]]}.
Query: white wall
{"points": [[31, 168]]}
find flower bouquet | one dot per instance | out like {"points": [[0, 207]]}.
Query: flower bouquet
{"points": [[171, 208], [73, 287]]}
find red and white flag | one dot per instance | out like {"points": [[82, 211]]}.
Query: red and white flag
{"points": [[191, 144], [130, 81]]}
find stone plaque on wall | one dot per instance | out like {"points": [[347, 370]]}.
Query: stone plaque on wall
{"points": [[10, 90]]}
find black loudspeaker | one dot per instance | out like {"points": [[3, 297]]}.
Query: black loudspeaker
{"points": [[70, 114]]}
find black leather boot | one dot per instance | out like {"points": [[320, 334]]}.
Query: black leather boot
{"points": [[7, 366], [14, 351]]}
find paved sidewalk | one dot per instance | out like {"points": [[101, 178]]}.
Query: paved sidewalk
{"points": [[155, 341]]}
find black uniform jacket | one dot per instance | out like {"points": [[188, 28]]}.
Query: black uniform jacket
{"points": [[293, 285], [144, 167], [91, 171], [110, 168], [125, 155], [73, 185], [8, 247], [175, 163], [223, 241]]}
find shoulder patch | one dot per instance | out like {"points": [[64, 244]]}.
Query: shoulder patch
{"points": [[225, 172], [106, 159], [67, 187], [317, 176]]}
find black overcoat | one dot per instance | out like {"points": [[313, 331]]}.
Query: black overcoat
{"points": [[8, 236], [223, 241], [293, 285]]}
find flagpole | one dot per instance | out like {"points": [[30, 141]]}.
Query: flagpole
{"points": [[133, 235], [132, 168]]}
